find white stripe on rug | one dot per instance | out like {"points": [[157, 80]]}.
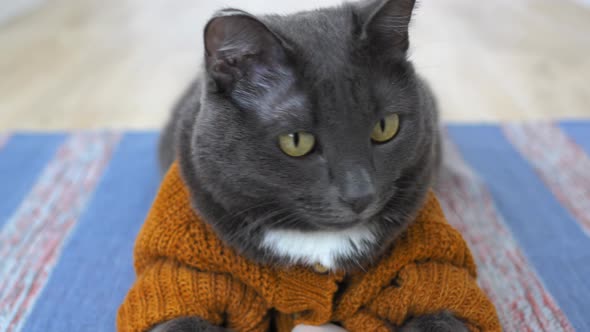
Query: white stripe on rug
{"points": [[563, 166], [32, 239]]}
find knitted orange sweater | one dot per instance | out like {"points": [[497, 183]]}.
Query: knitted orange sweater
{"points": [[183, 269]]}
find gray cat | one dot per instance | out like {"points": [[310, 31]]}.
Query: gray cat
{"points": [[313, 128]]}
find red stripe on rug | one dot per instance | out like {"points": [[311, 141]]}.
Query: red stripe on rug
{"points": [[32, 239], [561, 164], [3, 139], [522, 302]]}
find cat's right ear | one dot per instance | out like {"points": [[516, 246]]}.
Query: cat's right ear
{"points": [[239, 46]]}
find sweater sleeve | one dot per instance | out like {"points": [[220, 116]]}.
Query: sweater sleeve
{"points": [[432, 287], [166, 290]]}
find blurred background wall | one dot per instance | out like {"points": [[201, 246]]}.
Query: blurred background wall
{"points": [[67, 64], [10, 9]]}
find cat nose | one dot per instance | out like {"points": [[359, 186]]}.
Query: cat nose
{"points": [[359, 203], [358, 191]]}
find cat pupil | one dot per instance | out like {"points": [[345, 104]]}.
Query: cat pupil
{"points": [[296, 139], [382, 124]]}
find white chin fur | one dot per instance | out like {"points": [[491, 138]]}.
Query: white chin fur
{"points": [[324, 247]]}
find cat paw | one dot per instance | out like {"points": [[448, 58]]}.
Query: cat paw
{"points": [[443, 322], [323, 328], [187, 324]]}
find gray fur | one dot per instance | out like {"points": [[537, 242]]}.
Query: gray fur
{"points": [[188, 103], [188, 324], [333, 72], [441, 322]]}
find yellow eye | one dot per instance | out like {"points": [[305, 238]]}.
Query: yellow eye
{"points": [[385, 129], [297, 144]]}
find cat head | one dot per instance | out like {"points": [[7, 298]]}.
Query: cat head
{"points": [[313, 122]]}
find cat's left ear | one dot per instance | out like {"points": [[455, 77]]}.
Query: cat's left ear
{"points": [[385, 24]]}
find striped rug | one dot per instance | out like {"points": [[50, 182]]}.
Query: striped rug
{"points": [[72, 204]]}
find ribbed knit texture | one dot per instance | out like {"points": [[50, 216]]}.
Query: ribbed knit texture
{"points": [[184, 269]]}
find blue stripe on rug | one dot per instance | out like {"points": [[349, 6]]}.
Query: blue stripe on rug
{"points": [[96, 267], [579, 132], [21, 161], [549, 236]]}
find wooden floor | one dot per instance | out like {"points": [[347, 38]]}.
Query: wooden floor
{"points": [[96, 64]]}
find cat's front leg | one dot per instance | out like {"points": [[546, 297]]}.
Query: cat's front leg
{"points": [[442, 322], [188, 324]]}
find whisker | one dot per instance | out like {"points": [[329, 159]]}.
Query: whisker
{"points": [[239, 213]]}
